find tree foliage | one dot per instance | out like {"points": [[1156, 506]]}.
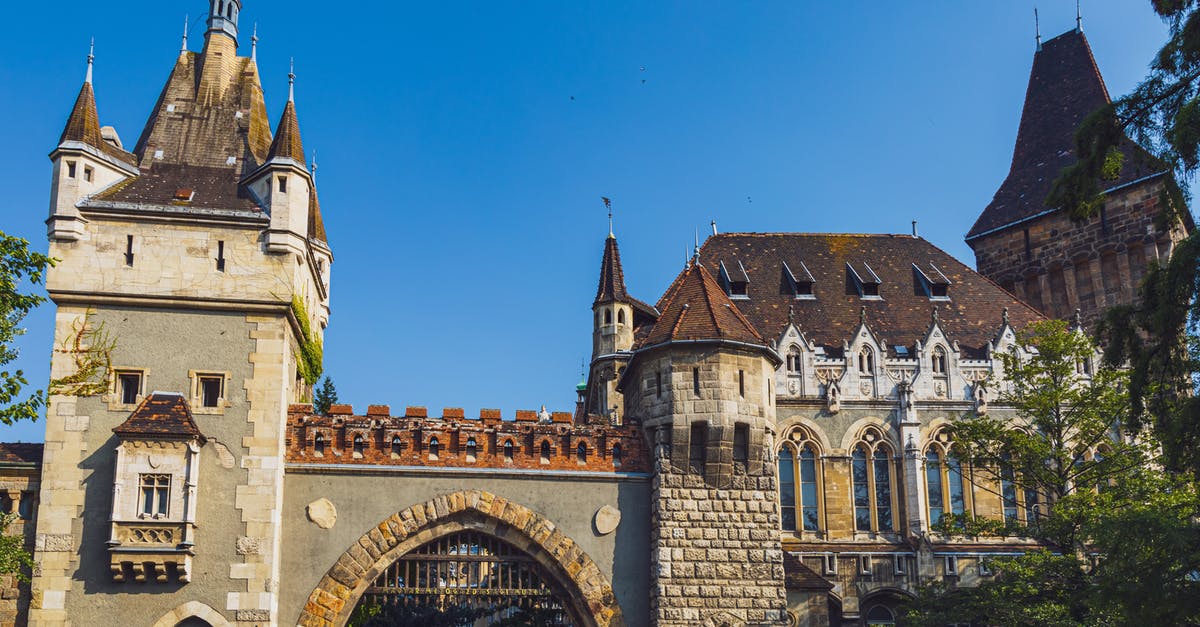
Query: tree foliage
{"points": [[324, 397], [14, 559], [19, 266]]}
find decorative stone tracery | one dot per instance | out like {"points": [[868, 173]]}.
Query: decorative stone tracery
{"points": [[335, 597]]}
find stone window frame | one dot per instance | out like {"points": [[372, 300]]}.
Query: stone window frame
{"points": [[148, 480], [1021, 501], [360, 443], [872, 442], [326, 441], [941, 444], [796, 440], [113, 398], [197, 392], [939, 361]]}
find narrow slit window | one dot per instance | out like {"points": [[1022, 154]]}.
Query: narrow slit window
{"points": [[742, 383], [741, 446], [397, 446], [696, 381], [434, 448], [220, 256], [88, 173], [283, 185], [472, 449], [70, 169], [319, 445], [508, 451], [129, 250], [581, 453], [545, 452], [360, 445], [658, 384], [696, 447], [616, 455]]}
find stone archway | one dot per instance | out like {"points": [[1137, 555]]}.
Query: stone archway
{"points": [[189, 611], [334, 598]]}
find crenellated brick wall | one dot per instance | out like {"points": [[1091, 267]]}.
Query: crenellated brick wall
{"points": [[379, 438]]}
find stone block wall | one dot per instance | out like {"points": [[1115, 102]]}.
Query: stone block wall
{"points": [[1056, 264], [717, 558]]}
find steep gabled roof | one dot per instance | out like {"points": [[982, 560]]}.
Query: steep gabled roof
{"points": [[287, 144], [161, 415], [901, 312], [21, 453], [1065, 86], [316, 225], [696, 308]]}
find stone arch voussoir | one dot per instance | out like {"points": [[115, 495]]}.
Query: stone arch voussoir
{"points": [[192, 609], [334, 598]]}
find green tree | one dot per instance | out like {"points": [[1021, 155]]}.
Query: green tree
{"points": [[1156, 335], [325, 397], [18, 266], [1066, 443]]}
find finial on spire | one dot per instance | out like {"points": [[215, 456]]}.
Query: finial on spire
{"points": [[1078, 18], [292, 80], [183, 48], [91, 57], [696, 249], [254, 44], [714, 227], [313, 167], [608, 205], [914, 222], [1037, 28]]}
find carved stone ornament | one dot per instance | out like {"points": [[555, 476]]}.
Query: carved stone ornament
{"points": [[833, 397]]}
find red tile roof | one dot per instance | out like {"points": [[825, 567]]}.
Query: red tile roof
{"points": [[1064, 87], [20, 453], [901, 315], [696, 308], [161, 415]]}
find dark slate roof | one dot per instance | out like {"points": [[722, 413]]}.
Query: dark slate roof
{"points": [[797, 576], [901, 316], [287, 144], [20, 453], [84, 126], [169, 184], [1064, 87], [612, 277], [161, 415], [696, 308]]}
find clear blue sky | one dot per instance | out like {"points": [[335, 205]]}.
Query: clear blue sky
{"points": [[461, 183]]}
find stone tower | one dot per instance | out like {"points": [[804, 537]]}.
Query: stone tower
{"points": [[192, 294], [615, 316], [1038, 253], [701, 383]]}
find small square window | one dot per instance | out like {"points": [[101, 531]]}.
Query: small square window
{"points": [[283, 185], [71, 169], [129, 386], [211, 390], [87, 173]]}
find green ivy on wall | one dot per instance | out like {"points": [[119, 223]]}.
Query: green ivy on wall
{"points": [[311, 354]]}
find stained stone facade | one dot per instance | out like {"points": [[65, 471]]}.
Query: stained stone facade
{"points": [[763, 445]]}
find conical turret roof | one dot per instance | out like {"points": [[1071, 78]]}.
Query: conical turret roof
{"points": [[287, 144], [612, 277], [696, 308]]}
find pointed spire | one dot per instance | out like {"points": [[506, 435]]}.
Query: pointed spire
{"points": [[183, 48], [91, 57], [84, 123], [612, 276], [254, 44], [608, 205], [287, 144], [1037, 28]]}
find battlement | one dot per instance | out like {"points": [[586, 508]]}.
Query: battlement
{"points": [[551, 441]]}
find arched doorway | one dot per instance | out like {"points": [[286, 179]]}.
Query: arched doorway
{"points": [[471, 575], [495, 533]]}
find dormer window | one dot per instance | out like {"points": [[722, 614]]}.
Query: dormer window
{"points": [[798, 283], [930, 282], [862, 281], [734, 279]]}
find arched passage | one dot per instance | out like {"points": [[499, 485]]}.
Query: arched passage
{"points": [[588, 592], [192, 614]]}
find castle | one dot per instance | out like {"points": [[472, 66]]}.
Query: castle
{"points": [[763, 445]]}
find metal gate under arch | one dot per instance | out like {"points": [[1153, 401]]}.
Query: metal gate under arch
{"points": [[470, 574]]}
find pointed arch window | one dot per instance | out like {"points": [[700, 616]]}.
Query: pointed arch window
{"points": [[945, 486], [799, 483], [607, 316], [873, 475], [319, 445], [508, 452], [472, 449], [866, 361], [434, 448], [620, 316], [359, 445], [397, 447], [793, 361], [939, 360]]}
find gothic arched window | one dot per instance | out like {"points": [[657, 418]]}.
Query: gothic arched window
{"points": [[433, 448], [472, 449], [872, 475], [607, 316], [945, 486], [396, 446], [508, 451], [939, 360], [866, 361], [620, 316], [319, 445], [359, 445], [793, 360], [799, 484]]}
